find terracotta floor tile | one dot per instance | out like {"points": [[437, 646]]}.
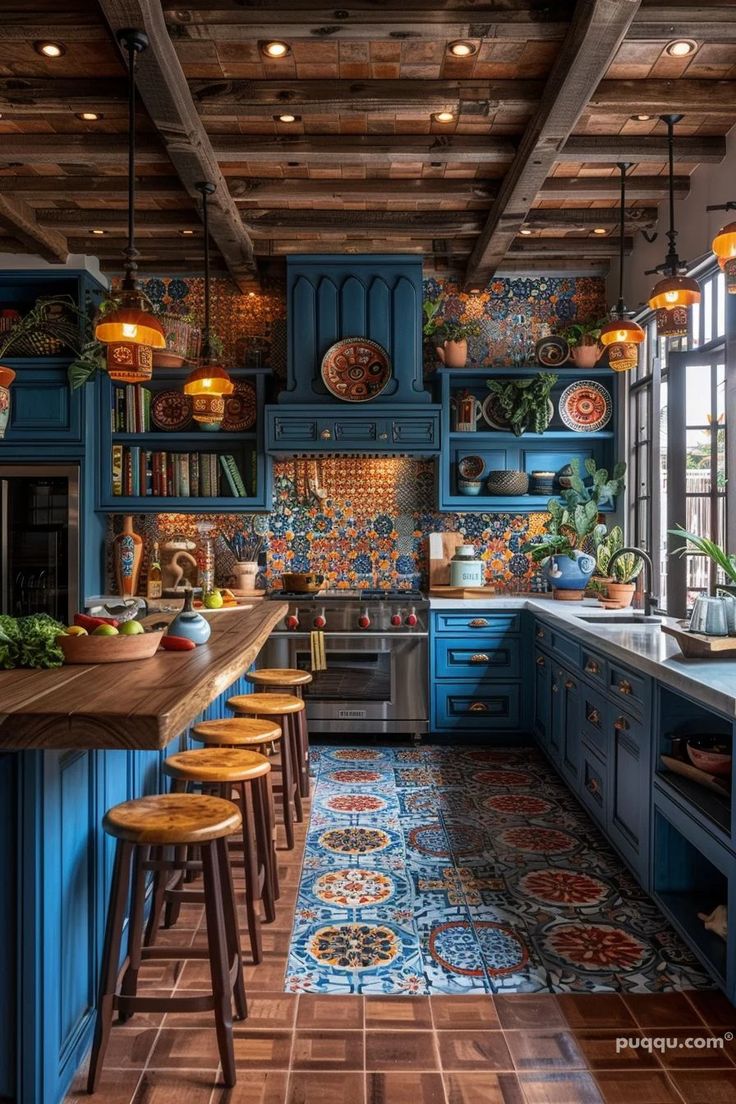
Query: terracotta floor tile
{"points": [[328, 1011], [256, 1088], [544, 1050], [705, 1086], [185, 1048], [326, 1088], [116, 1087], [641, 1087], [473, 1050], [603, 1050], [389, 1050], [595, 1010], [457, 1012], [528, 1010], [404, 1087], [262, 1050], [327, 1050], [561, 1088], [397, 1013], [265, 977], [130, 1046], [661, 1010], [715, 1010], [686, 1056], [176, 1087], [271, 1010], [483, 1088]]}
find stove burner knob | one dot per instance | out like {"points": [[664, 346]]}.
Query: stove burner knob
{"points": [[412, 619], [292, 621], [320, 621], [395, 618], [364, 621]]}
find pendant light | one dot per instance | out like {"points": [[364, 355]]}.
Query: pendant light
{"points": [[724, 246], [209, 382], [622, 336], [130, 330], [674, 294]]}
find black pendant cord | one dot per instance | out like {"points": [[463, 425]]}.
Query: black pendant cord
{"points": [[671, 265], [620, 308], [206, 189], [134, 42]]}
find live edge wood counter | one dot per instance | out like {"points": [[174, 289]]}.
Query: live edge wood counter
{"points": [[141, 705]]}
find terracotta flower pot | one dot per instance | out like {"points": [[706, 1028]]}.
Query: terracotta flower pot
{"points": [[453, 354], [586, 355], [623, 593]]}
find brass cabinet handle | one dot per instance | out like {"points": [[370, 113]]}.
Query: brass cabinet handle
{"points": [[593, 716], [326, 435], [540, 634], [478, 623], [593, 667], [592, 785], [621, 724], [478, 707], [569, 684], [479, 657], [383, 436], [540, 661], [625, 686]]}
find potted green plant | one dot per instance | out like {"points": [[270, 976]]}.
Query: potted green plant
{"points": [[573, 529], [620, 585], [584, 341], [724, 561], [524, 403], [453, 337]]}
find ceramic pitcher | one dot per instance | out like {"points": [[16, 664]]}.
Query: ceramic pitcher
{"points": [[467, 410]]}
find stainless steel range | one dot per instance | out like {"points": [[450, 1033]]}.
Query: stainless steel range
{"points": [[376, 653]]}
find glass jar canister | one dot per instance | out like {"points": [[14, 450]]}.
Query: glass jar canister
{"points": [[466, 568]]}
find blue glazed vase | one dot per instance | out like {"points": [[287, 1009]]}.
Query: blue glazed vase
{"points": [[565, 573], [190, 624]]}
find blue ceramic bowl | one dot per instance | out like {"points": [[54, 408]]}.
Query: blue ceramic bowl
{"points": [[469, 486]]}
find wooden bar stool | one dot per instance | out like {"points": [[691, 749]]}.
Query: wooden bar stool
{"points": [[283, 708], [160, 821], [293, 679], [227, 772]]}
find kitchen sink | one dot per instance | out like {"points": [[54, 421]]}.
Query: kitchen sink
{"points": [[619, 619]]}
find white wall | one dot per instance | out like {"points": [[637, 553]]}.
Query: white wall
{"points": [[696, 227]]}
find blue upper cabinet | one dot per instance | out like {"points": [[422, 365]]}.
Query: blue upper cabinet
{"points": [[331, 297]]}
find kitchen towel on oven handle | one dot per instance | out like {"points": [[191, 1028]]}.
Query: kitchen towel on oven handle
{"points": [[317, 644]]}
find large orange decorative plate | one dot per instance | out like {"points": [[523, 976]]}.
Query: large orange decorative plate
{"points": [[585, 406], [240, 408], [356, 369]]}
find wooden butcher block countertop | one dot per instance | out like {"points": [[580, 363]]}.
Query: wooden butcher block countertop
{"points": [[142, 704]]}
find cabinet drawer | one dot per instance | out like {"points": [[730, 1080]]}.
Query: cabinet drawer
{"points": [[594, 719], [416, 431], [594, 666], [484, 656], [477, 621], [629, 689], [293, 430], [486, 706], [594, 784], [562, 646]]}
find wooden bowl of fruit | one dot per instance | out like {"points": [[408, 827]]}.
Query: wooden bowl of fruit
{"points": [[106, 642]]}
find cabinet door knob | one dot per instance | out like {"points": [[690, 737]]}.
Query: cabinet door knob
{"points": [[625, 686], [592, 785], [383, 436], [326, 435], [540, 661], [569, 684], [479, 707], [593, 716], [478, 623], [479, 657], [540, 634], [621, 724], [593, 667]]}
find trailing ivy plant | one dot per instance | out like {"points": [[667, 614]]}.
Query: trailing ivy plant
{"points": [[524, 402]]}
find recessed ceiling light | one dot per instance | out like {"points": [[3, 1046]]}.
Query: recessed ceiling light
{"points": [[98, 232], [681, 47], [251, 295], [461, 48], [275, 49], [525, 231], [89, 116], [600, 230], [444, 117], [287, 117], [186, 233], [49, 49], [641, 118]]}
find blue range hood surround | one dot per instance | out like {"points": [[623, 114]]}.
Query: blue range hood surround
{"points": [[330, 297]]}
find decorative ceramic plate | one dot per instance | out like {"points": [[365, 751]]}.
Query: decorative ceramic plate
{"points": [[471, 467], [171, 411], [497, 420], [552, 351], [585, 406], [240, 408], [356, 369]]}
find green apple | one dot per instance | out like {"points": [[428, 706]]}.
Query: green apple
{"points": [[213, 600], [131, 628], [105, 630]]}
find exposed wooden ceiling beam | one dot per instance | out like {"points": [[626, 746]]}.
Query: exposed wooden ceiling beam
{"points": [[109, 218], [259, 190], [609, 187], [559, 247], [595, 33], [438, 223], [355, 149], [650, 148], [704, 97], [571, 218], [20, 220], [102, 187], [163, 88], [78, 149], [665, 19]]}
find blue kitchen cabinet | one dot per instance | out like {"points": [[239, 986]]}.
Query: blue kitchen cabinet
{"points": [[542, 698], [346, 429], [630, 797]]}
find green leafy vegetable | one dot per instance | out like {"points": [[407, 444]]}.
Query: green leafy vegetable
{"points": [[30, 641]]}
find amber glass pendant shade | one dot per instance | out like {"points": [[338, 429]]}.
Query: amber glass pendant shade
{"points": [[128, 362], [622, 338], [130, 322], [724, 247], [674, 291], [207, 385]]}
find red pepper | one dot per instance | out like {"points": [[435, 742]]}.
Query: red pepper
{"points": [[91, 623], [177, 644]]}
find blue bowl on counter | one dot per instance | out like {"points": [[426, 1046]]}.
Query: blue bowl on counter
{"points": [[469, 486]]}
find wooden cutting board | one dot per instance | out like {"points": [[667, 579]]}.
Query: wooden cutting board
{"points": [[461, 592], [442, 547]]}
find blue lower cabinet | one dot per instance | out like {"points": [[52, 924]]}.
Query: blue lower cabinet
{"points": [[542, 698], [568, 711], [594, 783], [481, 657], [630, 796], [485, 706]]}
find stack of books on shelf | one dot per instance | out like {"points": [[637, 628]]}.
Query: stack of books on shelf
{"points": [[139, 472], [131, 409]]}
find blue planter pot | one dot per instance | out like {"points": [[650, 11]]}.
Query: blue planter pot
{"points": [[564, 573]]}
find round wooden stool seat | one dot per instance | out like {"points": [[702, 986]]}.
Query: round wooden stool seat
{"points": [[279, 676], [217, 765], [237, 732], [266, 705], [172, 818]]}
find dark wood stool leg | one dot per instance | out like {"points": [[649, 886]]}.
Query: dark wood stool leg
{"points": [[110, 960], [219, 965], [296, 767], [250, 867], [157, 901], [230, 909], [303, 752], [287, 785], [129, 984], [264, 846], [173, 906]]}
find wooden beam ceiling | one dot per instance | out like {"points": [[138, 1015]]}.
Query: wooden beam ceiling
{"points": [[20, 220], [595, 33], [163, 88]]}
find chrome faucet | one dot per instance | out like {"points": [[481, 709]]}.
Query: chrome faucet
{"points": [[650, 600]]}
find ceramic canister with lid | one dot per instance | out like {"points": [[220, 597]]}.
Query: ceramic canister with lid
{"points": [[466, 568]]}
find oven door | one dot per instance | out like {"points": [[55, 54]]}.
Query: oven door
{"points": [[372, 683]]}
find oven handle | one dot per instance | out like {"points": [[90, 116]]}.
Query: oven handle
{"points": [[289, 635]]}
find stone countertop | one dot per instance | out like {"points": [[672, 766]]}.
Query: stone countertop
{"points": [[644, 647], [141, 705]]}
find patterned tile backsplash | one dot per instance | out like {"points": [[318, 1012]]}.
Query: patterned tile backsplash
{"points": [[358, 521]]}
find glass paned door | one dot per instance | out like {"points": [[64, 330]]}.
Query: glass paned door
{"points": [[696, 484]]}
